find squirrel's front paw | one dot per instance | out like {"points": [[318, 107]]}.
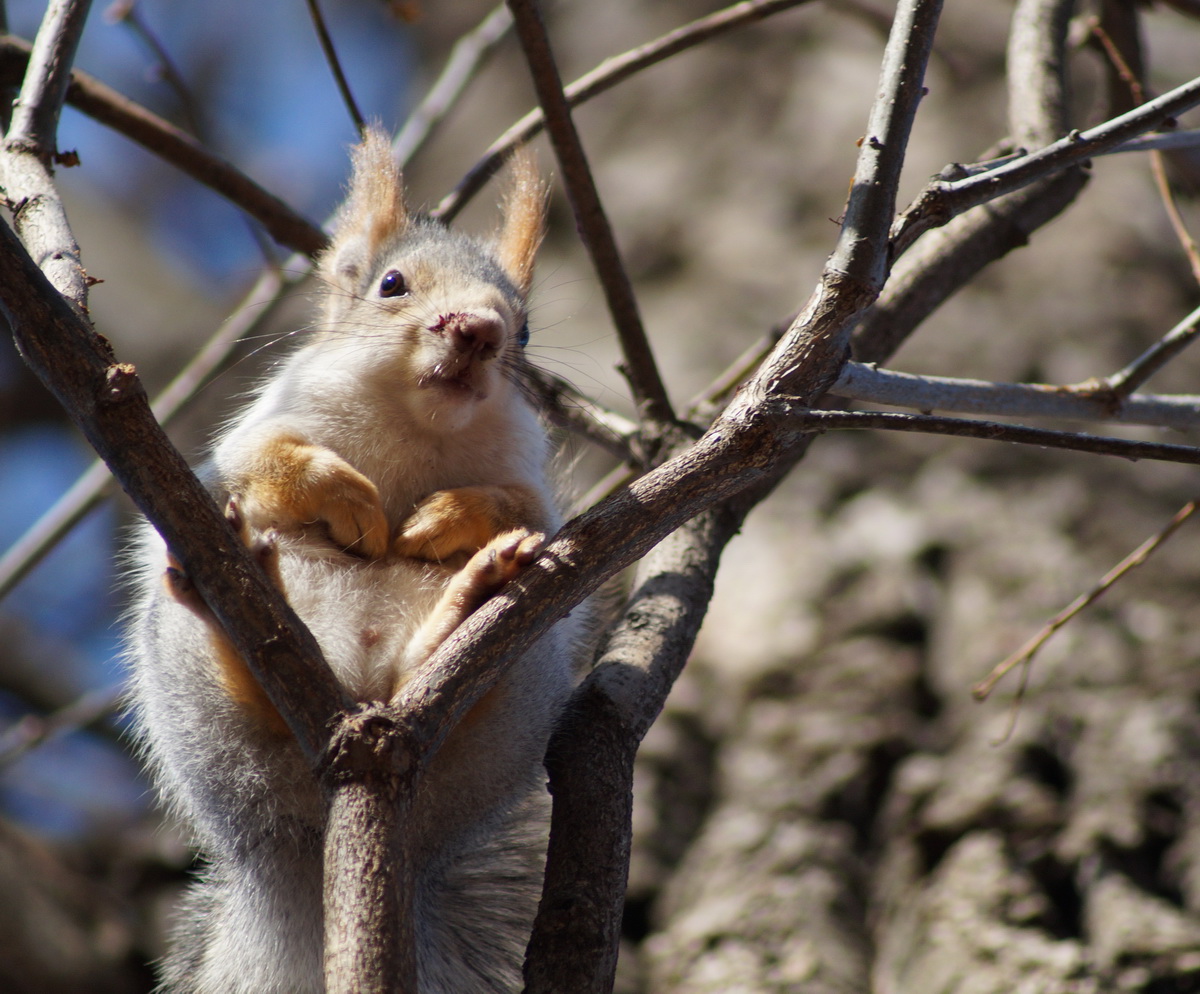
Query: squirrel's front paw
{"points": [[308, 485], [450, 523]]}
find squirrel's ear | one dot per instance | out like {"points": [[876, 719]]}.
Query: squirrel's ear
{"points": [[374, 211], [524, 209]]}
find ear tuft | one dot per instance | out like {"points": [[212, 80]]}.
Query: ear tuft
{"points": [[524, 207], [374, 211]]}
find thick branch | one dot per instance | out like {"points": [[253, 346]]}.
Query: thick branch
{"points": [[87, 491], [640, 368], [369, 873]]}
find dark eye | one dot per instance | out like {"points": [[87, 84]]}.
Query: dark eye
{"points": [[392, 284], [523, 335]]}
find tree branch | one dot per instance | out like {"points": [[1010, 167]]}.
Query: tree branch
{"points": [[945, 260], [464, 60], [29, 149], [335, 66], [640, 369], [941, 393], [604, 77], [994, 431], [947, 197], [1123, 382], [177, 147], [91, 487], [37, 107]]}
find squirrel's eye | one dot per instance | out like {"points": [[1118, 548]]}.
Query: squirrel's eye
{"points": [[523, 335], [392, 284]]}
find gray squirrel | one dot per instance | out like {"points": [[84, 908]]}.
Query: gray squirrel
{"points": [[392, 476]]}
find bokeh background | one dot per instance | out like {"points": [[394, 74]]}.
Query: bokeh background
{"points": [[822, 788]]}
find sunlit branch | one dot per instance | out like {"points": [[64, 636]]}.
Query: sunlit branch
{"points": [[864, 382]]}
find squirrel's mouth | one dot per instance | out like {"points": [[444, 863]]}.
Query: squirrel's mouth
{"points": [[458, 379]]}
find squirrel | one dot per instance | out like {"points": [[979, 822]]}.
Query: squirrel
{"points": [[392, 475]]}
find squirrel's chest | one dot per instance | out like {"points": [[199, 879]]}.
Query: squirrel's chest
{"points": [[363, 615]]}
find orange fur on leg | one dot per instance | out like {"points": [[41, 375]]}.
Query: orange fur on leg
{"points": [[292, 484], [450, 523]]}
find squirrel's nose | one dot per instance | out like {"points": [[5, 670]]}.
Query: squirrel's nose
{"points": [[467, 331]]}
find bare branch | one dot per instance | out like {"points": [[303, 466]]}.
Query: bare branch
{"points": [[35, 113], [29, 148], [604, 77], [858, 268], [335, 66], [941, 393], [639, 368], [945, 260], [994, 431], [944, 198], [862, 249], [127, 12], [590, 760], [568, 408], [1025, 654], [32, 731], [1169, 142], [1123, 382], [465, 58], [369, 874], [177, 147]]}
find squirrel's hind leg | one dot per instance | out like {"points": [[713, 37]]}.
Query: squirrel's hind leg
{"points": [[232, 672], [484, 575]]}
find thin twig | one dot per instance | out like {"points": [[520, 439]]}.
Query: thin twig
{"points": [[465, 58], [32, 731], [862, 248], [1024, 655], [1158, 166], [1123, 382], [604, 77], [864, 382], [639, 366], [335, 65], [126, 12], [818, 421], [567, 408]]}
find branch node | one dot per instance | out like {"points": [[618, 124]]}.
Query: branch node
{"points": [[368, 742], [121, 383]]}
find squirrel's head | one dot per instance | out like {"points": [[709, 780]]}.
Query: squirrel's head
{"points": [[422, 309]]}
